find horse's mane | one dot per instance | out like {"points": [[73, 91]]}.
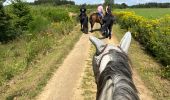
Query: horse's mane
{"points": [[120, 73]]}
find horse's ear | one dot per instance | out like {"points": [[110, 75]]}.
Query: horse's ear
{"points": [[125, 42], [98, 44]]}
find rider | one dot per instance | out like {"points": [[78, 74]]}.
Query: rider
{"points": [[100, 10], [108, 9], [82, 10]]}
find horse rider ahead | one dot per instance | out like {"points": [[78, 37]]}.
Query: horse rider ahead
{"points": [[100, 10], [108, 10], [82, 10]]}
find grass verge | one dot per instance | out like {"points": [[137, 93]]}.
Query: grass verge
{"points": [[88, 83], [29, 83]]}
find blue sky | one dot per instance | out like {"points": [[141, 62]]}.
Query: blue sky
{"points": [[129, 2]]}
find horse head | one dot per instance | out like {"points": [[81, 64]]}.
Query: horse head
{"points": [[112, 71], [102, 48]]}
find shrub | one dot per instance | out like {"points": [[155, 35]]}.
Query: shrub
{"points": [[22, 15], [153, 34], [39, 23], [6, 31], [56, 15]]}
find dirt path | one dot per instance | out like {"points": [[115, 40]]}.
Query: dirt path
{"points": [[63, 83]]}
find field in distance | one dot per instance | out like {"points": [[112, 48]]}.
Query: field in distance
{"points": [[149, 12]]}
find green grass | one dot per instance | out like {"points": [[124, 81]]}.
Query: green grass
{"points": [[150, 13], [27, 62], [30, 82], [148, 69], [88, 83]]}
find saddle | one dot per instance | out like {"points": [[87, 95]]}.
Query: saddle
{"points": [[99, 15]]}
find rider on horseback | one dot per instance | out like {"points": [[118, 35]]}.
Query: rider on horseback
{"points": [[108, 10], [82, 10], [100, 11]]}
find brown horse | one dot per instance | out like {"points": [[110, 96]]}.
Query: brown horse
{"points": [[95, 18]]}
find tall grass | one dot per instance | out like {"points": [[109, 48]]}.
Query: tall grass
{"points": [[49, 25]]}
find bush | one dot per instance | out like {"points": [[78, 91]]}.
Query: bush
{"points": [[56, 15], [39, 23], [153, 34], [22, 15], [6, 31]]}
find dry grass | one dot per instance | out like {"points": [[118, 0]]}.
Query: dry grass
{"points": [[88, 82]]}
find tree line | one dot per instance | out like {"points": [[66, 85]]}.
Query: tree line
{"points": [[146, 5], [54, 2], [152, 5]]}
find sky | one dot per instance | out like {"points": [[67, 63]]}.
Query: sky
{"points": [[128, 2]]}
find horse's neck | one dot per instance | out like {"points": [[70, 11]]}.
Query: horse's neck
{"points": [[107, 90], [106, 93]]}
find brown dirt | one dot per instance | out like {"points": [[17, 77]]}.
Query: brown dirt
{"points": [[62, 85]]}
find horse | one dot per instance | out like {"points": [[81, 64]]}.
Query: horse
{"points": [[108, 22], [84, 23], [112, 70], [95, 18]]}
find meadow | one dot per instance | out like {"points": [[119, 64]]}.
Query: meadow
{"points": [[150, 13]]}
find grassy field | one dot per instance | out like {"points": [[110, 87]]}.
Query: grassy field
{"points": [[149, 12]]}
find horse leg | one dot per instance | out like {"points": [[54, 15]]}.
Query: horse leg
{"points": [[92, 24], [110, 31], [81, 27]]}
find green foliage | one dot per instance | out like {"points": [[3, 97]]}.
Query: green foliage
{"points": [[166, 72], [53, 14], [152, 5], [39, 23], [151, 13], [5, 25], [57, 15], [54, 2], [22, 15], [47, 26], [153, 34]]}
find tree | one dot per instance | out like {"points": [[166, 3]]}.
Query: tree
{"points": [[5, 25], [22, 15], [124, 5]]}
